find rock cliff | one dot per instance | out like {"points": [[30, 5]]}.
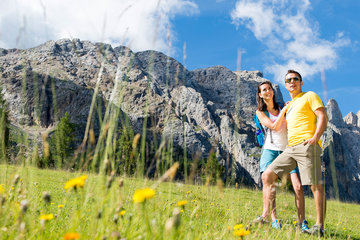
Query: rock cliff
{"points": [[200, 111]]}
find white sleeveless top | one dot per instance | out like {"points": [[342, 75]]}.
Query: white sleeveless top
{"points": [[279, 138]]}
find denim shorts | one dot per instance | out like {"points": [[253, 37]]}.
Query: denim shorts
{"points": [[268, 156]]}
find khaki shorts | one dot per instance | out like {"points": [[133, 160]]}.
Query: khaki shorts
{"points": [[306, 157]]}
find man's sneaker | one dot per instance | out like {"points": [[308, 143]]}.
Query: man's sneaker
{"points": [[276, 224], [316, 230]]}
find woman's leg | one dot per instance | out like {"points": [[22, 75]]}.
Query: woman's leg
{"points": [[266, 204], [299, 196]]}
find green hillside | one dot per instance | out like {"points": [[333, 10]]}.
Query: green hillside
{"points": [[36, 205]]}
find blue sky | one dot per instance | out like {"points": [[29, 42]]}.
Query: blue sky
{"points": [[271, 36], [212, 38]]}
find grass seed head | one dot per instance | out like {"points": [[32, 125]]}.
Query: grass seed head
{"points": [[47, 197], [16, 180], [24, 205]]}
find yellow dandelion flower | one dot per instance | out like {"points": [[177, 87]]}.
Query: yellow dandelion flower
{"points": [[2, 188], [294, 222], [188, 192], [47, 217], [241, 232], [71, 235], [75, 183], [60, 206], [238, 226], [182, 203], [122, 213], [181, 211], [141, 195]]}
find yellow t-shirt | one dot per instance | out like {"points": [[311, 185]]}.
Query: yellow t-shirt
{"points": [[300, 117]]}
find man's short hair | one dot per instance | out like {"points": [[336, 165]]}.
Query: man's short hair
{"points": [[293, 71]]}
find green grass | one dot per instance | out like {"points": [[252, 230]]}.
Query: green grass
{"points": [[94, 211]]}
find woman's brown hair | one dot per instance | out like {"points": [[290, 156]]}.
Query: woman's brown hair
{"points": [[261, 106]]}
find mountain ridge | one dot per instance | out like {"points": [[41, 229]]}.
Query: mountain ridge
{"points": [[202, 110]]}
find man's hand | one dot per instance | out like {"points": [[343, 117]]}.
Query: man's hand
{"points": [[311, 141], [321, 126]]}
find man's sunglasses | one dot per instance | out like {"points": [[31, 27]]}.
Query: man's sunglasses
{"points": [[288, 80]]}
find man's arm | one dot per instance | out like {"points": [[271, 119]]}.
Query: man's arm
{"points": [[322, 120]]}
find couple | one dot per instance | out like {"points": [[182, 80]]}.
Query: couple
{"points": [[294, 141]]}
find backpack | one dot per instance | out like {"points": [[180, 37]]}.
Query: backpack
{"points": [[260, 131]]}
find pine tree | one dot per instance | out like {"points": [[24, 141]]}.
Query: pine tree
{"points": [[4, 129], [61, 142]]}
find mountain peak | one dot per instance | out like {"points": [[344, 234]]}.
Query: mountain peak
{"points": [[334, 113]]}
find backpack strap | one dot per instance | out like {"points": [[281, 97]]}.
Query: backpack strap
{"points": [[270, 132]]}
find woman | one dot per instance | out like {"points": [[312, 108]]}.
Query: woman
{"points": [[275, 143]]}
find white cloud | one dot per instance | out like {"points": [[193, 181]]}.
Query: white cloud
{"points": [[255, 16], [284, 27], [140, 24]]}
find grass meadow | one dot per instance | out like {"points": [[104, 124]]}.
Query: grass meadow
{"points": [[55, 204]]}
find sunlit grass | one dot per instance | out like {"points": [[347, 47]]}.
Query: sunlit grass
{"points": [[36, 205]]}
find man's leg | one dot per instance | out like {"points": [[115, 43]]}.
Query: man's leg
{"points": [[299, 196], [318, 192], [269, 191]]}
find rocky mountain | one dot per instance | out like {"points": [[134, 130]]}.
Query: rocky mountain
{"points": [[198, 111]]}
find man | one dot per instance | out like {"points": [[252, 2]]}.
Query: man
{"points": [[306, 121]]}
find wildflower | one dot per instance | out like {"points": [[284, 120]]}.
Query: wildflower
{"points": [[238, 227], [60, 206], [122, 213], [2, 189], [71, 235], [294, 222], [141, 195], [181, 211], [182, 203], [206, 224], [188, 192], [47, 217], [241, 232], [75, 183]]}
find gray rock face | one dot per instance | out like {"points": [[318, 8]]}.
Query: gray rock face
{"points": [[342, 158], [351, 119], [198, 111], [334, 114]]}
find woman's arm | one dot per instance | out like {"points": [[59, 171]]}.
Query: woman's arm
{"points": [[265, 120]]}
